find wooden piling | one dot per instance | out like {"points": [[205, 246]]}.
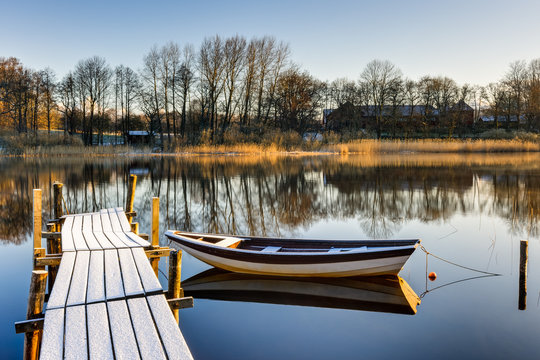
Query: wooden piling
{"points": [[132, 183], [39, 251], [155, 232], [57, 202], [54, 245], [175, 271], [523, 259], [36, 298]]}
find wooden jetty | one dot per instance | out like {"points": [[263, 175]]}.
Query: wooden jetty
{"points": [[106, 301]]}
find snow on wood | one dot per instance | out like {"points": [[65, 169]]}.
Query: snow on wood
{"points": [[91, 240], [75, 336], [67, 239], [99, 341], [145, 331], [52, 343], [113, 278], [132, 283], [148, 278], [173, 340], [96, 278], [76, 231], [63, 279], [77, 289], [125, 345]]}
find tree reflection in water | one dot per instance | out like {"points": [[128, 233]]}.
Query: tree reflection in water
{"points": [[270, 195]]}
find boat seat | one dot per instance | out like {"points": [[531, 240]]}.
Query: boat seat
{"points": [[228, 242], [270, 249], [335, 250]]}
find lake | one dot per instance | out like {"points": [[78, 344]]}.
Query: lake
{"points": [[471, 210]]}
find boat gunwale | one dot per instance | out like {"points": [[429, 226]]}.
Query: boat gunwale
{"points": [[288, 257]]}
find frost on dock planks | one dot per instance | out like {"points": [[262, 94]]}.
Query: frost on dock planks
{"points": [[106, 301]]}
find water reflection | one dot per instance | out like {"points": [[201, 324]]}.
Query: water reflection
{"points": [[379, 293], [270, 196]]}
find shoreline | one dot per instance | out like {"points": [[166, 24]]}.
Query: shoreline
{"points": [[357, 147]]}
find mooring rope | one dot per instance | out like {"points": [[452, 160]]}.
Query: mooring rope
{"points": [[453, 263], [65, 205]]}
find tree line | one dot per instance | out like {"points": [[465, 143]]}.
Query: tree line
{"points": [[183, 94]]}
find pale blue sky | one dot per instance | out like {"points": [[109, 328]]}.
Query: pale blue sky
{"points": [[471, 41]]}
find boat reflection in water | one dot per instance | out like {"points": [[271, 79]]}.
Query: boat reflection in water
{"points": [[378, 293]]}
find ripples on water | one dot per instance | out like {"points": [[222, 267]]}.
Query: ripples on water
{"points": [[471, 209]]}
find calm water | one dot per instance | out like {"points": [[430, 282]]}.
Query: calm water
{"points": [[472, 210]]}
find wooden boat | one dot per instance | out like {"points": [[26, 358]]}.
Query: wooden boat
{"points": [[390, 294], [295, 257]]}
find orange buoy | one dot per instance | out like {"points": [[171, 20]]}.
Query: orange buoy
{"points": [[432, 276]]}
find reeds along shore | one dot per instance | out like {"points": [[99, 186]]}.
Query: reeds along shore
{"points": [[310, 147]]}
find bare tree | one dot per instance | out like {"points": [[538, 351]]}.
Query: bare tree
{"points": [[380, 77], [150, 94], [234, 52], [211, 66], [185, 78]]}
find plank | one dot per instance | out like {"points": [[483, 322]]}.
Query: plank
{"points": [[91, 240], [115, 222], [120, 240], [79, 279], [132, 283], [99, 340], [52, 343], [113, 278], [136, 238], [96, 278], [67, 239], [105, 221], [60, 289], [124, 222], [146, 273], [123, 337], [145, 331], [75, 335], [76, 231], [173, 340]]}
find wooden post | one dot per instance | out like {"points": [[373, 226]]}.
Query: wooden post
{"points": [[57, 199], [132, 183], [523, 259], [38, 250], [155, 232], [54, 244], [175, 271], [36, 297]]}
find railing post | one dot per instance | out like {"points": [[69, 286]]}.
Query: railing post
{"points": [[155, 232]]}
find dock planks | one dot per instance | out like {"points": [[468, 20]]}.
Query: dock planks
{"points": [[106, 285]]}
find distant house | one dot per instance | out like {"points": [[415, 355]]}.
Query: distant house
{"points": [[349, 116], [138, 137], [501, 118]]}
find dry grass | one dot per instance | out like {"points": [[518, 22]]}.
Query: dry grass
{"points": [[434, 146]]}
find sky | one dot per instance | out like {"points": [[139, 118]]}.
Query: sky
{"points": [[470, 41]]}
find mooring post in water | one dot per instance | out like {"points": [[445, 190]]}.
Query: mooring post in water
{"points": [[132, 183], [523, 259], [175, 271], [36, 297], [155, 232], [39, 251]]}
